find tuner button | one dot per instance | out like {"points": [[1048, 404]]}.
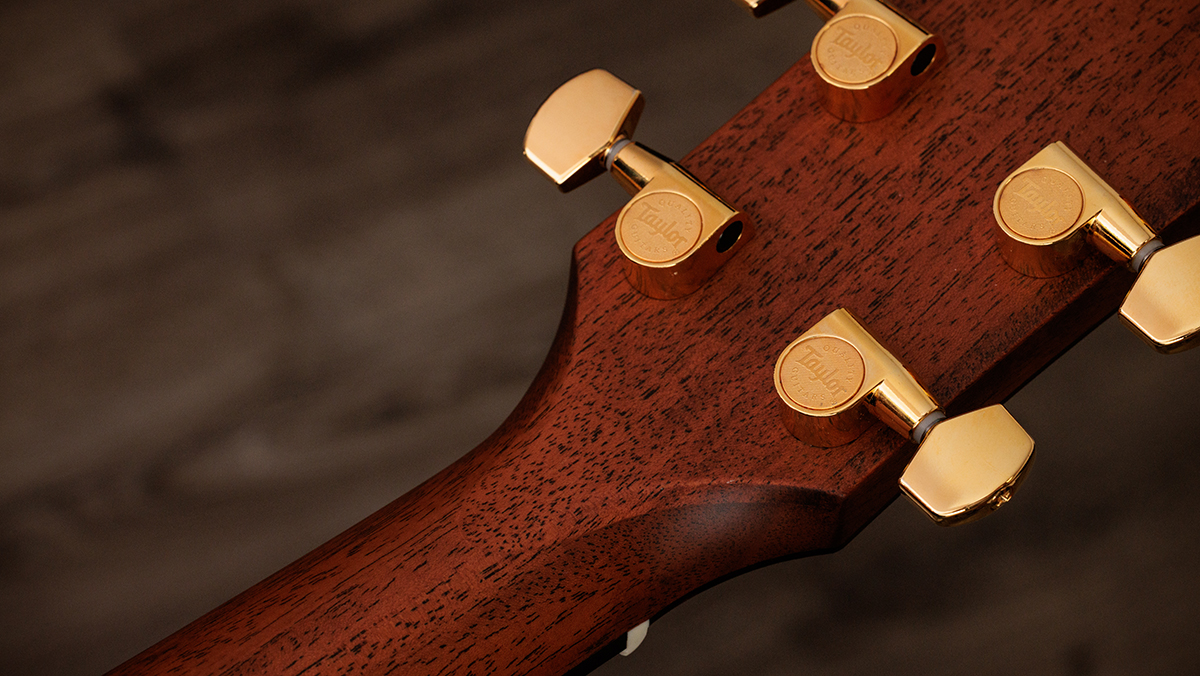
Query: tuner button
{"points": [[1163, 307], [835, 375], [675, 233], [968, 466], [572, 132], [1051, 207], [868, 55]]}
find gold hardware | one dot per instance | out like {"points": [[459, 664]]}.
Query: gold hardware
{"points": [[1051, 206], [835, 375], [968, 466], [869, 55], [675, 233]]}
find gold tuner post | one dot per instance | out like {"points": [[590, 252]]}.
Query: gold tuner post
{"points": [[675, 233], [869, 55], [1050, 207], [834, 376]]}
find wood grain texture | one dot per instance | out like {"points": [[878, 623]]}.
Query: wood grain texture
{"points": [[643, 463]]}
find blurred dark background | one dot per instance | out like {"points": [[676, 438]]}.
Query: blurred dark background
{"points": [[265, 265]]}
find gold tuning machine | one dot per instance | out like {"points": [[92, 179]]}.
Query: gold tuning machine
{"points": [[1048, 209], [869, 55], [675, 233], [832, 379]]}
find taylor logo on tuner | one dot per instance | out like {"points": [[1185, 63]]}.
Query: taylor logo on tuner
{"points": [[660, 227]]}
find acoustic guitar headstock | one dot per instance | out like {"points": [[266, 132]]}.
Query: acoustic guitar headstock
{"points": [[899, 229], [893, 219]]}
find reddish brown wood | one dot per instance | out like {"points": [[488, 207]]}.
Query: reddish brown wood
{"points": [[647, 459]]}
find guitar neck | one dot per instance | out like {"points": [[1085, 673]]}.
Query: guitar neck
{"points": [[530, 554], [646, 460]]}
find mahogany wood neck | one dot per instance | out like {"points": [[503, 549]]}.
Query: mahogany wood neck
{"points": [[647, 459]]}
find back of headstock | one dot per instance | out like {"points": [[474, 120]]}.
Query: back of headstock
{"points": [[923, 179], [909, 237], [1028, 87]]}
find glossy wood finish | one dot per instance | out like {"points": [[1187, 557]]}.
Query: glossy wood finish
{"points": [[645, 461]]}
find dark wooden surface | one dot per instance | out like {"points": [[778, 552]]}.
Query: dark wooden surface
{"points": [[249, 297]]}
